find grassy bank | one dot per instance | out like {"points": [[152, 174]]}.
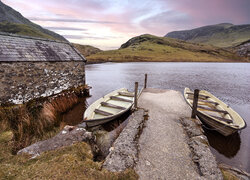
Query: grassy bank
{"points": [[73, 162], [39, 119], [161, 49]]}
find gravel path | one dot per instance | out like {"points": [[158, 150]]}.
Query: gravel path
{"points": [[163, 150]]}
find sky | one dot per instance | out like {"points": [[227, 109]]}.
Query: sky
{"points": [[107, 24]]}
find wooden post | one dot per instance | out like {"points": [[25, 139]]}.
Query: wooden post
{"points": [[135, 97], [195, 102], [145, 82]]}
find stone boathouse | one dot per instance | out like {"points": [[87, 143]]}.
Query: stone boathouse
{"points": [[33, 67]]}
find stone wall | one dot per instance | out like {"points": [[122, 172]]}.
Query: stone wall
{"points": [[23, 81]]}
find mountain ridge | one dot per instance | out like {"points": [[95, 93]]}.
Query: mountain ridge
{"points": [[220, 35], [21, 25]]}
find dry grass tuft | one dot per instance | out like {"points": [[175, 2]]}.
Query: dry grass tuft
{"points": [[64, 102], [31, 121], [228, 175]]}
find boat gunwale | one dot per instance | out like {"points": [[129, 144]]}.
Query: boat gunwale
{"points": [[107, 117]]}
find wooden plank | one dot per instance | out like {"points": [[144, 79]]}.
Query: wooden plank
{"points": [[215, 110], [200, 100], [120, 99], [112, 106], [223, 119], [195, 103], [104, 113], [200, 95], [126, 94], [135, 97], [145, 81]]}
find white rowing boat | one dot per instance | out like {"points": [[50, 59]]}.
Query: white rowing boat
{"points": [[216, 113], [109, 107]]}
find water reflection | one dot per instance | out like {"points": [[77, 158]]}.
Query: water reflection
{"points": [[228, 146], [111, 125], [75, 115]]}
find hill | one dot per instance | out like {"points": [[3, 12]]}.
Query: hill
{"points": [[220, 35], [86, 50], [12, 21], [152, 48], [23, 29]]}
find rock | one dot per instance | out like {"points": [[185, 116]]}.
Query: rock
{"points": [[124, 151], [243, 49], [199, 145], [104, 139], [192, 127], [68, 136], [204, 158]]}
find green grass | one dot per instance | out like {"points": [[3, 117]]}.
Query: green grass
{"points": [[163, 49], [224, 39], [73, 162], [23, 29]]}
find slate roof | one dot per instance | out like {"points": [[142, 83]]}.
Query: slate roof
{"points": [[16, 48]]}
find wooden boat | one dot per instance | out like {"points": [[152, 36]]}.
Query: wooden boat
{"points": [[109, 107], [215, 113]]}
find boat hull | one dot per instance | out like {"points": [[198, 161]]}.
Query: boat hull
{"points": [[109, 107], [97, 122], [221, 128]]}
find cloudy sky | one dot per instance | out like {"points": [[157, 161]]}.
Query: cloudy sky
{"points": [[109, 23]]}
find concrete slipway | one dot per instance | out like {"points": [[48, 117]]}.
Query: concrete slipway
{"points": [[167, 144]]}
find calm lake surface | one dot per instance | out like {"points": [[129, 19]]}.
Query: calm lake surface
{"points": [[230, 82]]}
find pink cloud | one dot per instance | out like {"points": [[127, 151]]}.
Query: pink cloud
{"points": [[130, 18], [205, 12]]}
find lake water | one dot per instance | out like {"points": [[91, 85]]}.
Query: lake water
{"points": [[230, 82]]}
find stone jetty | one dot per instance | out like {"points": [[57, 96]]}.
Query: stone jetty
{"points": [[170, 146]]}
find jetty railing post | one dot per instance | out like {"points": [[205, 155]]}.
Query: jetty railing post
{"points": [[135, 95], [145, 82], [195, 102]]}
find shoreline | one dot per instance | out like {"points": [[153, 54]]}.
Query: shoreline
{"points": [[101, 62]]}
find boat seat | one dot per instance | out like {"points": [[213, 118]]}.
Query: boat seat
{"points": [[120, 99], [112, 106], [104, 113], [223, 119], [200, 95], [205, 101], [126, 94], [215, 110]]}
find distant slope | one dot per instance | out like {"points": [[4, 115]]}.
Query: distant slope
{"points": [[11, 18], [153, 48], [220, 35], [86, 50], [23, 29], [243, 49]]}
